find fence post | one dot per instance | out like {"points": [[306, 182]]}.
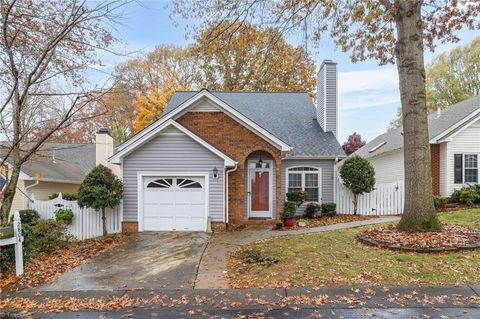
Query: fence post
{"points": [[17, 233]]}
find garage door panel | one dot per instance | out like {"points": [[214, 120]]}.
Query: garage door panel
{"points": [[180, 206], [158, 223]]}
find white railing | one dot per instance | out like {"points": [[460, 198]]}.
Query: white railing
{"points": [[385, 199], [86, 223]]}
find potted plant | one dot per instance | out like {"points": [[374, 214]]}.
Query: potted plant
{"points": [[64, 215], [289, 210]]}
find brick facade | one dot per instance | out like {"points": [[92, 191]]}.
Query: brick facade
{"points": [[238, 142], [435, 167]]}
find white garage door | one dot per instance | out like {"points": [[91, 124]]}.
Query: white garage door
{"points": [[174, 203]]}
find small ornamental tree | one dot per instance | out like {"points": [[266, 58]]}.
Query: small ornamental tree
{"points": [[100, 189], [353, 143], [358, 175]]}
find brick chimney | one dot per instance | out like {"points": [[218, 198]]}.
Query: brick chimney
{"points": [[327, 97]]}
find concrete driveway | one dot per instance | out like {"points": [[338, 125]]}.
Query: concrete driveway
{"points": [[146, 260]]}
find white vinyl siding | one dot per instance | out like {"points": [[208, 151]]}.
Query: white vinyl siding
{"points": [[465, 142], [388, 167], [173, 152]]}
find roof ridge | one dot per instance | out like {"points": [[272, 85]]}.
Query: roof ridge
{"points": [[227, 91]]}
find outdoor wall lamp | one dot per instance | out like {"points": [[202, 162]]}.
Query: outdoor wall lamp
{"points": [[260, 162], [215, 172]]}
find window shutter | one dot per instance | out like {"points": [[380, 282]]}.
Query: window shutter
{"points": [[458, 177]]}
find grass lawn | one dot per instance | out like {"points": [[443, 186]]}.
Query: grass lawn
{"points": [[335, 258]]}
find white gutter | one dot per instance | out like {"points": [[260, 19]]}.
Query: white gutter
{"points": [[226, 190], [28, 187]]}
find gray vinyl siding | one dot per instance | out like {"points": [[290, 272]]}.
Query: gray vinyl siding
{"points": [[327, 168], [327, 97], [173, 153], [256, 157]]}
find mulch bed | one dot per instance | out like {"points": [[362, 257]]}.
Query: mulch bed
{"points": [[44, 268], [451, 238], [325, 221]]}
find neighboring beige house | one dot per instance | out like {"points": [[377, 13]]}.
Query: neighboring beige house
{"points": [[59, 167]]}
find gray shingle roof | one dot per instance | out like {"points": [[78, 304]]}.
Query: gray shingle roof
{"points": [[436, 125], [71, 164], [289, 116]]}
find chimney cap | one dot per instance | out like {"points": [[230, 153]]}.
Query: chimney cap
{"points": [[103, 130], [328, 61]]}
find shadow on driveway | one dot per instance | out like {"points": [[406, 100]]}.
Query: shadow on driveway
{"points": [[147, 260]]}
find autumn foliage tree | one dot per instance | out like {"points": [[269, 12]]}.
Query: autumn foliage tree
{"points": [[46, 50], [353, 143], [390, 31], [253, 59]]}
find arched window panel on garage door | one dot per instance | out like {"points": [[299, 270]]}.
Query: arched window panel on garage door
{"points": [[161, 183], [188, 183]]}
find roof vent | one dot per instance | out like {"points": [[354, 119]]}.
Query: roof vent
{"points": [[377, 147]]}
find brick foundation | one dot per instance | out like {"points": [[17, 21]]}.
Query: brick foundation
{"points": [[238, 142], [129, 227], [435, 167]]}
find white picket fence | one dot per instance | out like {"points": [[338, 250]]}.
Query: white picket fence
{"points": [[86, 223], [385, 199]]}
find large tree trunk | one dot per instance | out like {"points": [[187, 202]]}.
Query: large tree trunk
{"points": [[419, 212], [9, 195]]}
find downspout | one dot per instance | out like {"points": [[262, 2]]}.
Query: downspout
{"points": [[226, 190], [27, 188]]}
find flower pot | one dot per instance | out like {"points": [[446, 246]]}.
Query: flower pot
{"points": [[279, 225], [6, 232], [289, 221]]}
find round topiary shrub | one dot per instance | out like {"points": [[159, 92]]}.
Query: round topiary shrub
{"points": [[311, 210]]}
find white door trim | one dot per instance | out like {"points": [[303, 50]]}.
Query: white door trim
{"points": [[261, 214], [142, 175]]}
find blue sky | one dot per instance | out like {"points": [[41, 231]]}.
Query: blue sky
{"points": [[368, 94]]}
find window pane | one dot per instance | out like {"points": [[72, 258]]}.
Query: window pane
{"points": [[471, 161], [294, 180], [312, 194], [311, 180], [471, 175]]}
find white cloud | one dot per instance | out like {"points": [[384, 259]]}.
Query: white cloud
{"points": [[368, 88]]}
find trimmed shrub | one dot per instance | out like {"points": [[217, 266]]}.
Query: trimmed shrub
{"points": [[311, 210], [50, 236], [468, 195], [289, 209], [439, 202], [28, 216], [64, 215], [298, 197], [329, 209], [66, 196], [7, 253]]}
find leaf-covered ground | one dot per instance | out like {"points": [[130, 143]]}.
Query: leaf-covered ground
{"points": [[336, 258], [45, 268], [327, 220]]}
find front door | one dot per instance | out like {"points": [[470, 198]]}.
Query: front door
{"points": [[260, 188]]}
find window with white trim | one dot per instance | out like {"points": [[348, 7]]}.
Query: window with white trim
{"points": [[304, 179], [471, 168], [466, 168]]}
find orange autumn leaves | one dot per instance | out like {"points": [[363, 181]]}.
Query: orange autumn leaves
{"points": [[150, 106]]}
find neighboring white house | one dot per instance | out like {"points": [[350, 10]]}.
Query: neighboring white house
{"points": [[455, 147]]}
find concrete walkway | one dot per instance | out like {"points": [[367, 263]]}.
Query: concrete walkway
{"points": [[213, 265]]}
